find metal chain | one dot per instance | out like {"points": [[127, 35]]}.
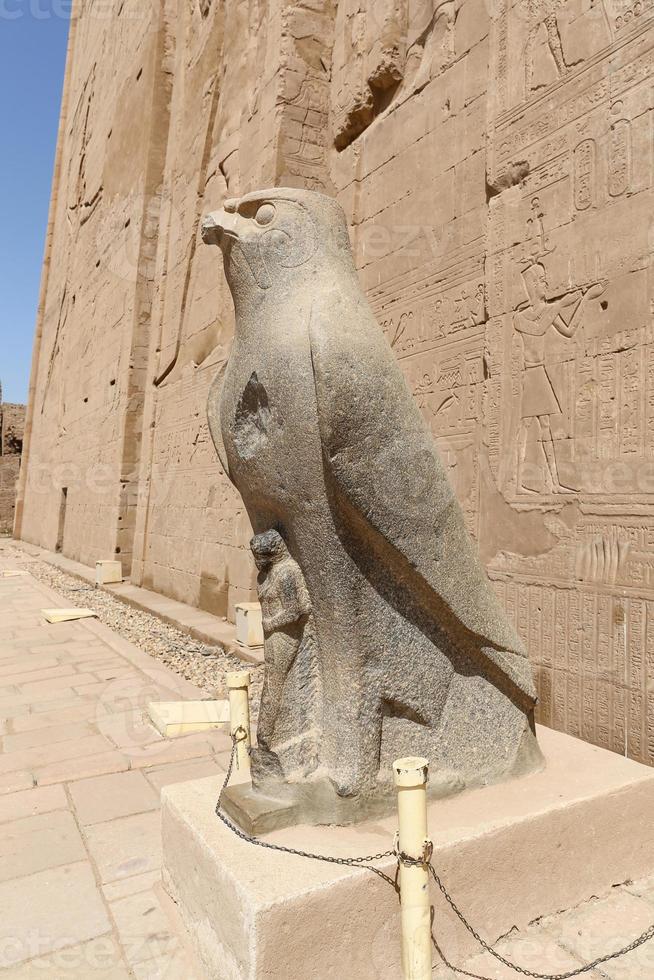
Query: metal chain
{"points": [[645, 937], [354, 862], [366, 862]]}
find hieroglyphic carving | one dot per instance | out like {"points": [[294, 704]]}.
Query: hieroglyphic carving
{"points": [[499, 51], [304, 96], [584, 174], [602, 558], [537, 244], [597, 692], [619, 157], [435, 324], [440, 315], [628, 13], [614, 553], [304, 146]]}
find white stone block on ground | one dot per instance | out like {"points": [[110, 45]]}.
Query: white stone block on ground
{"points": [[67, 615], [249, 626], [108, 572], [508, 854], [173, 718]]}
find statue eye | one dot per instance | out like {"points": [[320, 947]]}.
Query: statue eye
{"points": [[265, 214]]}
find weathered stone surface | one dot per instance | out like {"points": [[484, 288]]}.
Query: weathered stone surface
{"points": [[470, 143], [12, 423], [383, 635]]}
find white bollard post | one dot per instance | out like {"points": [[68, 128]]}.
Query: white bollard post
{"points": [[411, 782], [238, 687]]}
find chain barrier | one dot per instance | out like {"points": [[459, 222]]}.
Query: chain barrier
{"points": [[355, 862], [366, 863]]}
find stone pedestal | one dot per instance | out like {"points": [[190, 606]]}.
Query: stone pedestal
{"points": [[507, 853]]}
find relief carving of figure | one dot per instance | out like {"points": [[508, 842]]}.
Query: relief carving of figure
{"points": [[543, 13], [532, 320], [434, 49]]}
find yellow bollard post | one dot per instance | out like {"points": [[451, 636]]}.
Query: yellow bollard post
{"points": [[238, 688], [411, 782]]}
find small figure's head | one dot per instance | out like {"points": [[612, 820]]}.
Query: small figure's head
{"points": [[269, 236], [535, 280], [268, 548]]}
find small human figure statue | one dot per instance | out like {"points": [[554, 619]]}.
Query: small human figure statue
{"points": [[288, 649]]}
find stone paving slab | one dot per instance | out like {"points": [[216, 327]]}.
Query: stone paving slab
{"points": [[32, 802], [100, 959], [608, 923], [81, 771], [54, 908], [103, 798], [561, 943], [39, 842]]}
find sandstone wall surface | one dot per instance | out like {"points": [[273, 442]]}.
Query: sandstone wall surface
{"points": [[12, 427], [9, 467], [495, 159], [12, 424]]}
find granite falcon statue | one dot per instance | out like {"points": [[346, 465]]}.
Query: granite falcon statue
{"points": [[317, 429]]}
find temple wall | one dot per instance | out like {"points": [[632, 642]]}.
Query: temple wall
{"points": [[12, 424], [495, 160], [89, 376]]}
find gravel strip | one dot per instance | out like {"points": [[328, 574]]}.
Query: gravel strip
{"points": [[203, 665]]}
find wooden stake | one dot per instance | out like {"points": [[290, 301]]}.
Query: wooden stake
{"points": [[238, 687], [411, 782]]}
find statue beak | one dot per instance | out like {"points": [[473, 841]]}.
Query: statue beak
{"points": [[219, 227]]}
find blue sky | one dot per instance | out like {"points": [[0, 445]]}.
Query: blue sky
{"points": [[33, 35]]}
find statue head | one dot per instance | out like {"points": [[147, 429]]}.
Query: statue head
{"points": [[272, 236], [268, 548]]}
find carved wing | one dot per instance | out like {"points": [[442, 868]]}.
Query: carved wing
{"points": [[213, 413], [392, 491]]}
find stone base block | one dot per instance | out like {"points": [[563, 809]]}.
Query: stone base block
{"points": [[507, 853], [262, 811], [108, 572]]}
